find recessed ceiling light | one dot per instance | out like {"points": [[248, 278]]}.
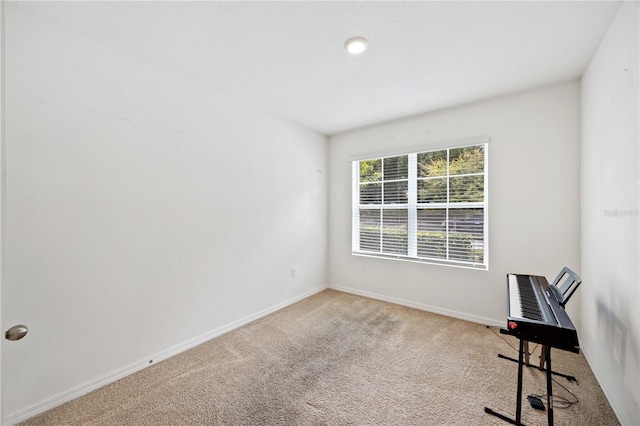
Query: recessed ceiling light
{"points": [[356, 45]]}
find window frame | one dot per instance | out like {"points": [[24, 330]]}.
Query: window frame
{"points": [[413, 207]]}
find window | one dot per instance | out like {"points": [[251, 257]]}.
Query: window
{"points": [[427, 206]]}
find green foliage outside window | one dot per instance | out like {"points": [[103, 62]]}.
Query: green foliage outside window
{"points": [[441, 229], [433, 167]]}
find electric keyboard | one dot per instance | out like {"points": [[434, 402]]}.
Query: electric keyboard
{"points": [[536, 313]]}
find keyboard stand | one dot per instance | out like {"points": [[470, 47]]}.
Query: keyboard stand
{"points": [[549, 388], [518, 420], [543, 358]]}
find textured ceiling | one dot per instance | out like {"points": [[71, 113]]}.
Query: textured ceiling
{"points": [[288, 57]]}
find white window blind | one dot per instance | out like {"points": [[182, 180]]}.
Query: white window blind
{"points": [[426, 206]]}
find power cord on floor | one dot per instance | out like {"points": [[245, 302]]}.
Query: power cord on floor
{"points": [[559, 402]]}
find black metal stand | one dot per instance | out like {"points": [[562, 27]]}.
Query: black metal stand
{"points": [[555, 373], [549, 389], [518, 420]]}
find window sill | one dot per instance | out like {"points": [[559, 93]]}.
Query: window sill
{"points": [[465, 265]]}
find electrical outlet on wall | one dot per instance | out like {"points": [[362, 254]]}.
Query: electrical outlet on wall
{"points": [[293, 272]]}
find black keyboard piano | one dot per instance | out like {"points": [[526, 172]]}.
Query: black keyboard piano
{"points": [[536, 313]]}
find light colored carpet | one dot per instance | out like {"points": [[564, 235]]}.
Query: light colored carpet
{"points": [[336, 359]]}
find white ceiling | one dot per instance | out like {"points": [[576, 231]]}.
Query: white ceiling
{"points": [[288, 57]]}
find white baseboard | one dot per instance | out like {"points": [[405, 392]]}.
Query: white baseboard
{"points": [[99, 382], [420, 306]]}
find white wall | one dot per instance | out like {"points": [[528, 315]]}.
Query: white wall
{"points": [[533, 202], [610, 194], [143, 214]]}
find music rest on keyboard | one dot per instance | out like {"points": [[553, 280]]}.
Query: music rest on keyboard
{"points": [[536, 315]]}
